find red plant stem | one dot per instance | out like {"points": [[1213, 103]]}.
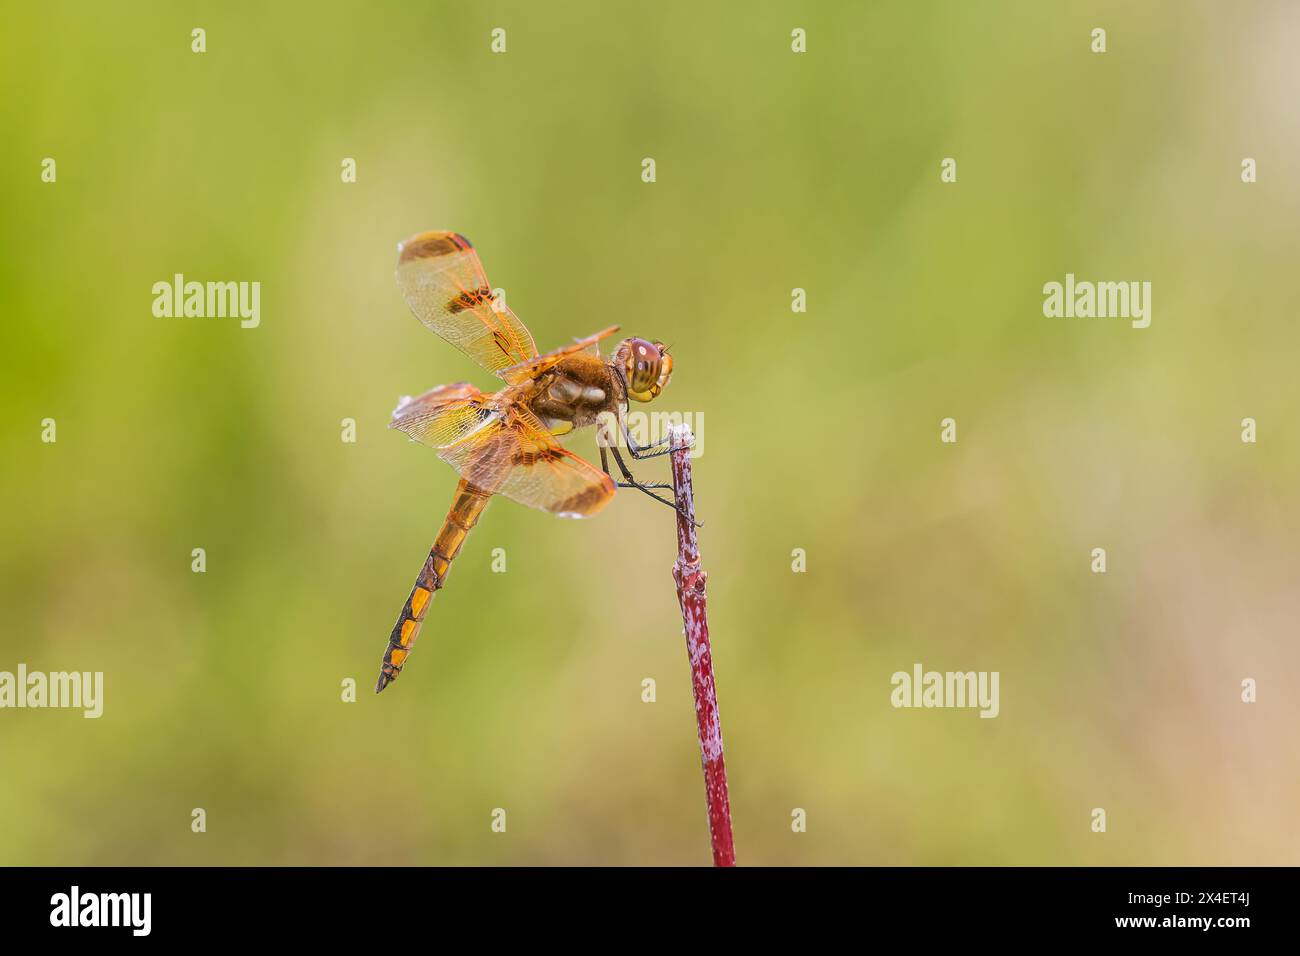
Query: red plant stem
{"points": [[690, 595]]}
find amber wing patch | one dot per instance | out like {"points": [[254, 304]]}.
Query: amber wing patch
{"points": [[444, 284]]}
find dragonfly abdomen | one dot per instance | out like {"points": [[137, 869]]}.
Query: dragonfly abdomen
{"points": [[465, 510]]}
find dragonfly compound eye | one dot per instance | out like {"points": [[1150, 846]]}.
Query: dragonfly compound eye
{"points": [[647, 368]]}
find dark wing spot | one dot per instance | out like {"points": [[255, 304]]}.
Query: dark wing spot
{"points": [[470, 300], [528, 459], [429, 245], [583, 501]]}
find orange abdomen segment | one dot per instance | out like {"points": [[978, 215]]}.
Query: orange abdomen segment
{"points": [[465, 510]]}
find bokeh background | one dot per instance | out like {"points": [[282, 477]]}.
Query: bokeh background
{"points": [[774, 171]]}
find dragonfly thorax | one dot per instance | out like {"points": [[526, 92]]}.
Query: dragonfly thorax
{"points": [[576, 391]]}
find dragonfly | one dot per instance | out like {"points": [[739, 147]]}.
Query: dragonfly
{"points": [[504, 442]]}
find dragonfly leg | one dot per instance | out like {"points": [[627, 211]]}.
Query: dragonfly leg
{"points": [[631, 482], [640, 452]]}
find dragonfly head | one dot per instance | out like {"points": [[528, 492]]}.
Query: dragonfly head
{"points": [[646, 367]]}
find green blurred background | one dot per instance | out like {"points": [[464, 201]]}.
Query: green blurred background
{"points": [[775, 171]]}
